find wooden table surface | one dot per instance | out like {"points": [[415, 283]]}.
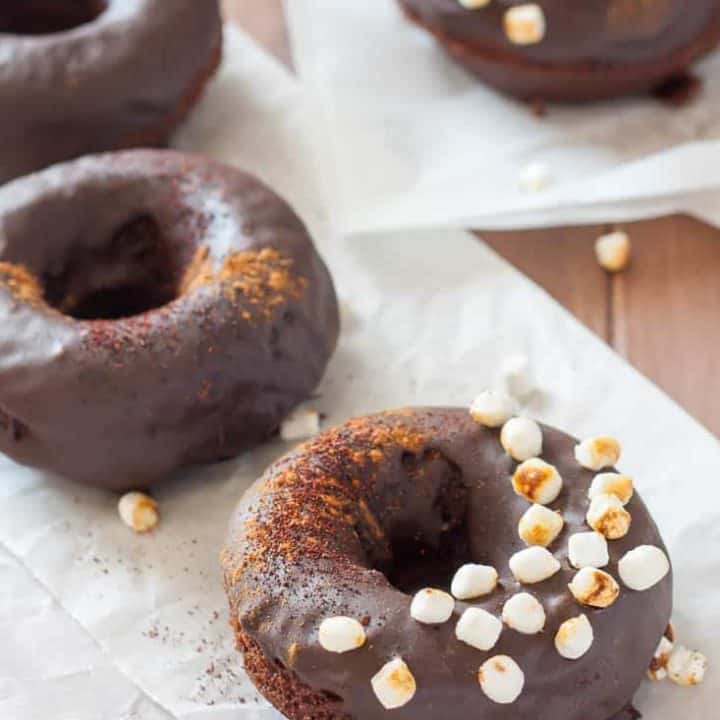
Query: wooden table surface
{"points": [[662, 315]]}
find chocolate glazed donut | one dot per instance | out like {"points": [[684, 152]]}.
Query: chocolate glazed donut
{"points": [[158, 310], [588, 51], [358, 519], [94, 75]]}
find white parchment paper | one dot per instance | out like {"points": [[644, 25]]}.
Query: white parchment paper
{"points": [[413, 140], [428, 317]]}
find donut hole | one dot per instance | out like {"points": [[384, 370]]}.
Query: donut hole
{"points": [[44, 17], [135, 272]]}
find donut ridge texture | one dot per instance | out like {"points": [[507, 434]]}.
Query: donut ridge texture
{"points": [[356, 520], [159, 310]]}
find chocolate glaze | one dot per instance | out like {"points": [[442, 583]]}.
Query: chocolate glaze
{"points": [[102, 75], [173, 312], [626, 45], [356, 520]]}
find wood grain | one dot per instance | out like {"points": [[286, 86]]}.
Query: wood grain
{"points": [[663, 314]]}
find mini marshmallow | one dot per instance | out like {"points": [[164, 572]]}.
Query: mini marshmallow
{"points": [[501, 679], [659, 663], [537, 481], [621, 486], [594, 587], [533, 565], [524, 614], [540, 525], [394, 684], [478, 628], [588, 549], [521, 438], [341, 634], [642, 568], [492, 408], [598, 452], [432, 607], [517, 376], [138, 511], [300, 424], [474, 4], [525, 24], [574, 637], [686, 667], [607, 516], [613, 251], [535, 177], [473, 581]]}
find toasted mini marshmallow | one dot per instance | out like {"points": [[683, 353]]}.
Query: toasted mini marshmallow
{"points": [[686, 667], [341, 634], [537, 481], [533, 565], [138, 511], [521, 438], [642, 568], [607, 516], [492, 408], [594, 587], [613, 251], [478, 628], [598, 452], [474, 4], [501, 679], [621, 486], [302, 423], [540, 525], [534, 178], [473, 581], [432, 607], [394, 684], [659, 663], [524, 614], [574, 637], [588, 549], [525, 24]]}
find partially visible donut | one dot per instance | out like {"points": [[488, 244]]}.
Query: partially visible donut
{"points": [[156, 309], [549, 50], [357, 520], [85, 76]]}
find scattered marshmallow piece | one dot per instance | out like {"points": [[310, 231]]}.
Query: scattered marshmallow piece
{"points": [[594, 587], [432, 607], [492, 408], [613, 251], [341, 634], [612, 484], [138, 511], [522, 438], [533, 565], [537, 481], [588, 549], [302, 423], [474, 4], [540, 525], [473, 581], [535, 177], [659, 663], [607, 516], [642, 568], [501, 679], [574, 637], [517, 376], [394, 684], [598, 452], [686, 667], [525, 24], [478, 628], [524, 613]]}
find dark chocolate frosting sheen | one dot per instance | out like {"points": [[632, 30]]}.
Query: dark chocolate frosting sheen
{"points": [[158, 309], [356, 520], [123, 78]]}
